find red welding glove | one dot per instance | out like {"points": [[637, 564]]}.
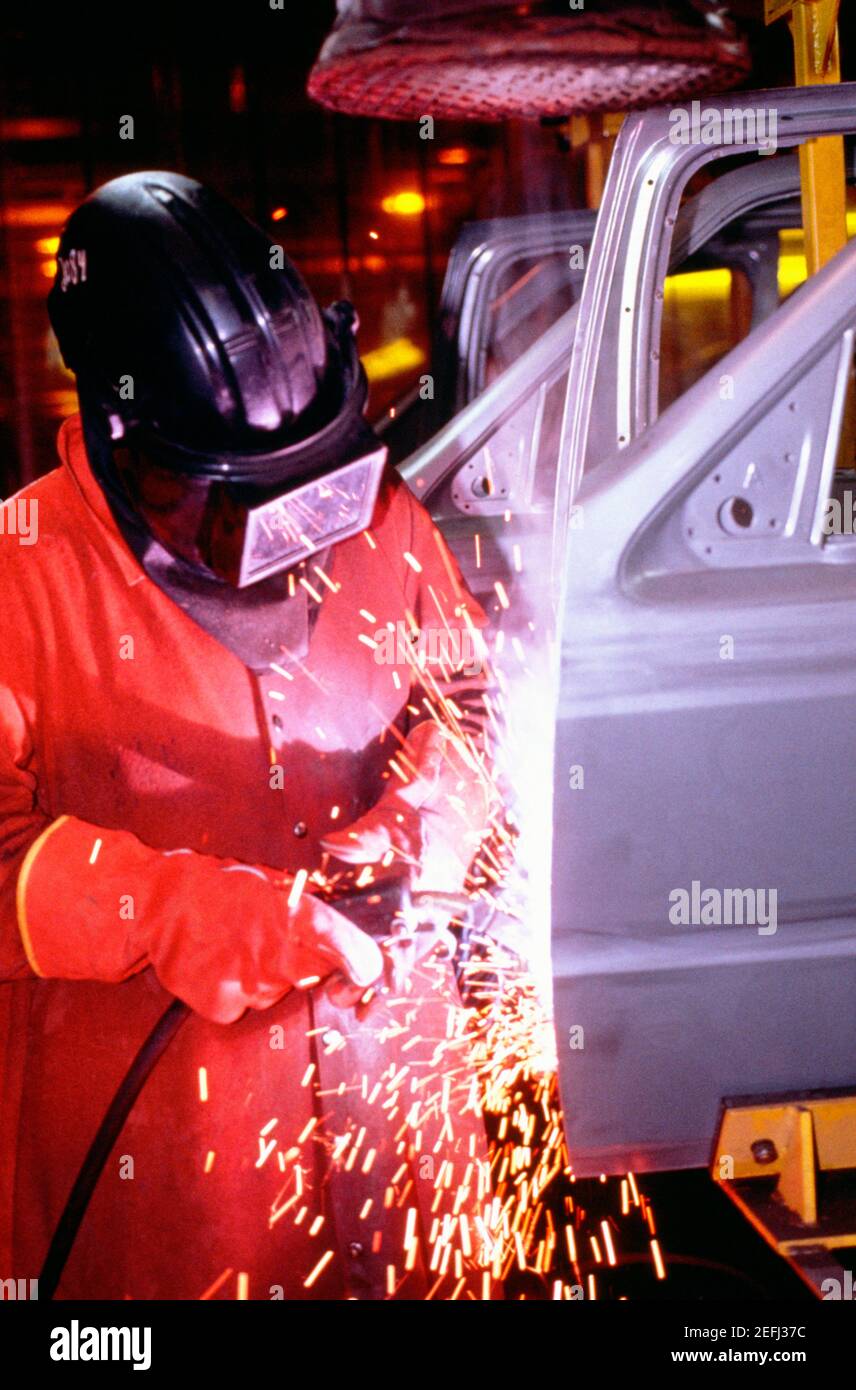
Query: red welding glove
{"points": [[96, 904], [432, 825]]}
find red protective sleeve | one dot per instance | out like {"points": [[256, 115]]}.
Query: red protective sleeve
{"points": [[97, 904], [91, 902], [22, 820]]}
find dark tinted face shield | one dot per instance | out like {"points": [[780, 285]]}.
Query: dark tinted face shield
{"points": [[242, 533]]}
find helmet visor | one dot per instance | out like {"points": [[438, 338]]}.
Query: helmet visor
{"points": [[285, 529], [243, 535]]}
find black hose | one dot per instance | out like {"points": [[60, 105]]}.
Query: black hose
{"points": [[108, 1132]]}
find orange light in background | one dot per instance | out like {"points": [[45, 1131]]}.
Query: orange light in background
{"points": [[455, 154], [406, 203], [34, 215], [39, 128], [374, 235], [237, 92], [48, 269], [278, 214], [48, 245]]}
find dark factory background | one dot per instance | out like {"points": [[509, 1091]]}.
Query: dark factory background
{"points": [[367, 208]]}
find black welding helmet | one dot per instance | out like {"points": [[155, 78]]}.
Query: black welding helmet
{"points": [[214, 392]]}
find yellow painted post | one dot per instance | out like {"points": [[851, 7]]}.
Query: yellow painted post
{"points": [[596, 134], [817, 59], [814, 29]]}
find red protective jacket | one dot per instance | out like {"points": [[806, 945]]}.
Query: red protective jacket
{"points": [[123, 722]]}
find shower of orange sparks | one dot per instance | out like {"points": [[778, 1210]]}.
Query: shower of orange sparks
{"points": [[319, 1269], [501, 1059], [497, 1059]]}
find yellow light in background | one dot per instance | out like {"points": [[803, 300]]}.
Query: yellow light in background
{"points": [[793, 270], [401, 355], [699, 284], [278, 214], [406, 203], [792, 263], [48, 245], [48, 269], [716, 284]]}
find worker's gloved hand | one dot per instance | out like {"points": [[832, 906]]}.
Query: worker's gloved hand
{"points": [[392, 825], [430, 846], [407, 929], [253, 961], [431, 827], [98, 904]]}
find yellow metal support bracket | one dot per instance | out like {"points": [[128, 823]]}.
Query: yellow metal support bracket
{"points": [[789, 1164], [814, 28]]}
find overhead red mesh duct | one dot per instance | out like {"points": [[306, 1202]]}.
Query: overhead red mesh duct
{"points": [[491, 59]]}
